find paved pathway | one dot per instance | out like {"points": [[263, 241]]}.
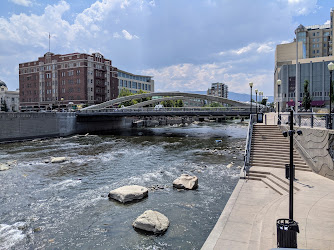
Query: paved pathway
{"points": [[249, 218]]}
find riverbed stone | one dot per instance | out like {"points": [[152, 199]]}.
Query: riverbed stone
{"points": [[58, 159], [186, 181], [152, 221], [3, 167], [128, 193]]}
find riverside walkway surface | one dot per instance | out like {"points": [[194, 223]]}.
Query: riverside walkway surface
{"points": [[248, 220]]}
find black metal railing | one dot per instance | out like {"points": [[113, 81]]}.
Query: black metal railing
{"points": [[248, 145], [306, 120]]}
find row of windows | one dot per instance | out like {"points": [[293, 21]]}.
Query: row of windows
{"points": [[138, 78], [134, 85], [316, 93]]}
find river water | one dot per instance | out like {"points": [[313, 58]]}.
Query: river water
{"points": [[66, 205]]}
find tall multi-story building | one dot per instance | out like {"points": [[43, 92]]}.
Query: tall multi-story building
{"points": [[314, 53], [218, 89], [9, 100], [134, 83], [76, 78], [56, 80]]}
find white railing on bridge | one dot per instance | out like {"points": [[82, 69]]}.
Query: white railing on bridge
{"points": [[166, 109]]}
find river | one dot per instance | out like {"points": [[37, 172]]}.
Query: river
{"points": [[66, 206]]}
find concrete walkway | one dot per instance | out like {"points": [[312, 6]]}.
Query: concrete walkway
{"points": [[249, 218]]}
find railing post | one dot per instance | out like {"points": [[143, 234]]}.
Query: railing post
{"points": [[299, 120], [312, 121]]}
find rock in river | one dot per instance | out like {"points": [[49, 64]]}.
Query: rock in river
{"points": [[3, 167], [58, 159], [128, 193], [186, 181], [152, 221]]}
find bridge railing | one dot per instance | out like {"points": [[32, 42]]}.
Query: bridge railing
{"points": [[165, 109]]}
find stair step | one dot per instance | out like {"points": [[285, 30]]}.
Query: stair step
{"points": [[283, 167], [274, 187], [273, 155], [268, 163], [277, 160]]}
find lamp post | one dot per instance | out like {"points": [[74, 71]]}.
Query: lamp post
{"points": [[61, 104], [287, 235], [279, 82], [330, 68], [251, 86], [256, 99]]}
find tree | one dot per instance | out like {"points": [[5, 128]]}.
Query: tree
{"points": [[126, 92], [307, 97], [179, 103], [4, 106], [264, 101]]}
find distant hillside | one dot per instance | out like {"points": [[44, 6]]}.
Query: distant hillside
{"points": [[236, 96]]}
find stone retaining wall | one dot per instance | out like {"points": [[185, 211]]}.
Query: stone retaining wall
{"points": [[314, 147]]}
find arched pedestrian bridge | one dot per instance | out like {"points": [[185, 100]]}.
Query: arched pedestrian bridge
{"points": [[107, 110], [164, 96]]}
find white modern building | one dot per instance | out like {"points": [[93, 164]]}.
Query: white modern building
{"points": [[134, 83]]}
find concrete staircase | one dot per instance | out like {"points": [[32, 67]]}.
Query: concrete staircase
{"points": [[270, 149]]}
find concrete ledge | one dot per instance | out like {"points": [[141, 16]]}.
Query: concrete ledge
{"points": [[211, 241]]}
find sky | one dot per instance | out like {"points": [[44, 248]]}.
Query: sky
{"points": [[184, 44]]}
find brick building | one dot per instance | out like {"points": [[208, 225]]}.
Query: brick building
{"points": [[58, 80]]}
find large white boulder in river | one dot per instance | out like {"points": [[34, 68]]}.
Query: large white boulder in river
{"points": [[186, 181], [58, 159], [152, 221], [128, 193]]}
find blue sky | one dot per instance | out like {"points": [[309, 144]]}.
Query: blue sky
{"points": [[185, 44]]}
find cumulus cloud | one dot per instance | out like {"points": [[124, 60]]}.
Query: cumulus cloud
{"points": [[128, 36], [252, 47], [301, 7], [25, 3], [188, 77]]}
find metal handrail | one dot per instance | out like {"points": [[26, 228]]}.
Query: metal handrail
{"points": [[248, 146]]}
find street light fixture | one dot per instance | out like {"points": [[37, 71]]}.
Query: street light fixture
{"points": [[256, 90], [251, 86], [330, 68], [279, 82]]}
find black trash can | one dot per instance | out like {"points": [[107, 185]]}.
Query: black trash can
{"points": [[259, 118], [287, 233]]}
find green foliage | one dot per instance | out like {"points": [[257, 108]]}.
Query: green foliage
{"points": [[125, 92], [179, 103], [264, 102], [172, 103], [4, 106], [214, 105], [307, 97]]}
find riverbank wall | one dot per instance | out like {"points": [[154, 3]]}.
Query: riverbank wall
{"points": [[26, 126]]}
